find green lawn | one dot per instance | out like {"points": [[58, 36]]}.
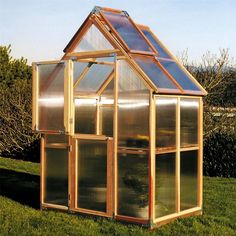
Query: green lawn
{"points": [[20, 214]]}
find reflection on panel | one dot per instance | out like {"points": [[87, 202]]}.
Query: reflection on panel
{"points": [[94, 78], [165, 122], [165, 185], [133, 109], [92, 172], [133, 185], [93, 40], [154, 72], [127, 31], [56, 176], [51, 97], [188, 179], [161, 51], [189, 122], [179, 75], [85, 116], [107, 120], [107, 97]]}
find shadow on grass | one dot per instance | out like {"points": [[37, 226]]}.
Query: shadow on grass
{"points": [[20, 187]]}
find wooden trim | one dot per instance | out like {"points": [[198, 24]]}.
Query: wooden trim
{"points": [[54, 206], [76, 172], [90, 136], [72, 173], [184, 149], [72, 104], [48, 62], [67, 96], [90, 212], [132, 219], [131, 151], [91, 60], [92, 54], [165, 150], [56, 145], [177, 161], [42, 174], [144, 53], [35, 92], [97, 121]]}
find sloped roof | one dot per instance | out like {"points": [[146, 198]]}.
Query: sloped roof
{"points": [[159, 67]]}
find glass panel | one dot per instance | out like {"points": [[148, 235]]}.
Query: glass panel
{"points": [[57, 138], [189, 122], [94, 78], [154, 72], [179, 75], [107, 97], [127, 31], [56, 176], [133, 185], [93, 40], [133, 109], [166, 122], [188, 179], [161, 51], [51, 97], [85, 116], [165, 185], [92, 174], [107, 120]]}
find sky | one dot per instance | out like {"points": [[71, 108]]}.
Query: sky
{"points": [[40, 30]]}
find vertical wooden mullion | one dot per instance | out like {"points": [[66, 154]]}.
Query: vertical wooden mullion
{"points": [[115, 134], [35, 91], [42, 170], [76, 171], [177, 163], [98, 117]]}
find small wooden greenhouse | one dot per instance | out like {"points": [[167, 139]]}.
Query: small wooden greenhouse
{"points": [[121, 125]]}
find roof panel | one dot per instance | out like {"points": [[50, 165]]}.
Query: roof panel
{"points": [[155, 72], [127, 31]]}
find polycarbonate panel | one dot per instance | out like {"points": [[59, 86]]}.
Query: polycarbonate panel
{"points": [[107, 120], [165, 122], [133, 185], [56, 138], [51, 97], [93, 40], [92, 175], [161, 51], [188, 179], [189, 109], [85, 116], [154, 72], [179, 75], [56, 176], [127, 31], [78, 68], [165, 202], [107, 97], [94, 78], [133, 109]]}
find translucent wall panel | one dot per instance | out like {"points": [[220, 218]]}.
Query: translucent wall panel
{"points": [[165, 122], [56, 176], [51, 97], [133, 109], [165, 185], [85, 116], [107, 97], [188, 179], [56, 139], [189, 109], [154, 72], [133, 185], [107, 120], [93, 40], [127, 31], [78, 68], [92, 174], [94, 78], [179, 75], [161, 51]]}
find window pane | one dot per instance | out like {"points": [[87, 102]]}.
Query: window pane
{"points": [[165, 122], [189, 122], [92, 174], [133, 185], [94, 78], [154, 72], [85, 116], [93, 40], [107, 120], [179, 75], [165, 185], [161, 51], [133, 109], [127, 31], [188, 179], [57, 138], [51, 97], [56, 174]]}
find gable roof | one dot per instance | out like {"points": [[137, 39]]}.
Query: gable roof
{"points": [[152, 60]]}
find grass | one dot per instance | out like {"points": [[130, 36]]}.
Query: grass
{"points": [[20, 214]]}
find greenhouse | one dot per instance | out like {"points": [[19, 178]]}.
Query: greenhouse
{"points": [[121, 124]]}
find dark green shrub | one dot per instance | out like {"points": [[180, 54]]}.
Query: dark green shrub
{"points": [[220, 155]]}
